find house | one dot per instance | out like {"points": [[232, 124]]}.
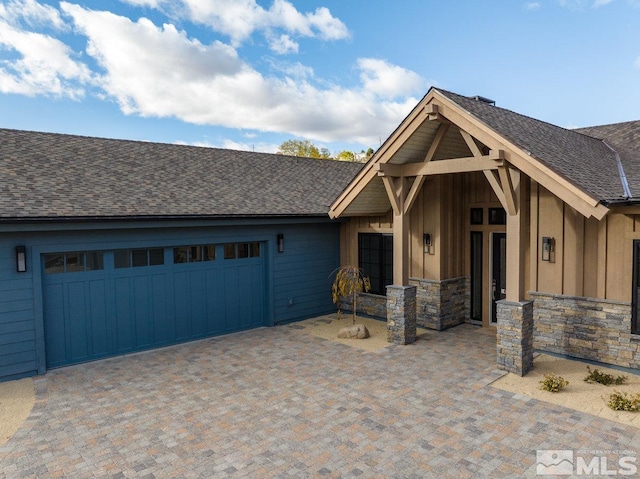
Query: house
{"points": [[467, 213], [109, 247], [473, 213]]}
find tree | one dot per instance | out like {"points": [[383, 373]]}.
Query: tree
{"points": [[350, 280], [303, 148], [346, 155]]}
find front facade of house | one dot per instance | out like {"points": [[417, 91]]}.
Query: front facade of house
{"points": [[110, 247], [472, 213]]}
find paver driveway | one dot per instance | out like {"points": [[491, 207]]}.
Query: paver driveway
{"points": [[279, 403]]}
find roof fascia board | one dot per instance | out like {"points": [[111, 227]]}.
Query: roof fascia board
{"points": [[35, 225], [559, 186]]}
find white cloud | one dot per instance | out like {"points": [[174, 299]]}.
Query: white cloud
{"points": [[532, 5], [283, 45], [31, 13], [600, 3], [166, 74], [45, 65], [144, 3], [386, 80], [239, 19]]}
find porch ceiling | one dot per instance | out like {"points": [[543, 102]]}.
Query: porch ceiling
{"points": [[373, 199]]}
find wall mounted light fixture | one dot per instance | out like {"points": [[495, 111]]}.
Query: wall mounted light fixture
{"points": [[426, 240], [548, 249], [280, 243], [21, 259]]}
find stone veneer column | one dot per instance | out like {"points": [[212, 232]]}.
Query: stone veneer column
{"points": [[515, 336], [401, 314]]}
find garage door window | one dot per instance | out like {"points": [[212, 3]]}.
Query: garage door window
{"points": [[73, 262], [241, 250], [193, 254], [127, 258]]}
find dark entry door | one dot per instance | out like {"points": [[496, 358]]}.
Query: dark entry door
{"points": [[498, 271]]}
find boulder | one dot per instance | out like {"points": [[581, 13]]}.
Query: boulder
{"points": [[357, 331]]}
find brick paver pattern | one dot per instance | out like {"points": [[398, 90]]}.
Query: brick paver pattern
{"points": [[276, 402]]}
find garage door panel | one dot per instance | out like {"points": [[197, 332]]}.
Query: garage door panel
{"points": [[197, 294], [213, 299], [122, 306], [100, 329], [54, 328], [142, 297], [124, 315], [182, 305], [79, 327]]}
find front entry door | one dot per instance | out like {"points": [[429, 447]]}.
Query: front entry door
{"points": [[498, 271]]}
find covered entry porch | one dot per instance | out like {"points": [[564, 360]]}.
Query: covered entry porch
{"points": [[452, 197]]}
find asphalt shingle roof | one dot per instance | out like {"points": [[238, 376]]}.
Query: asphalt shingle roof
{"points": [[579, 156], [48, 175]]}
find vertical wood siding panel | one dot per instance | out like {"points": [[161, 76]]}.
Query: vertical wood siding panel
{"points": [[551, 224], [619, 258], [590, 258]]}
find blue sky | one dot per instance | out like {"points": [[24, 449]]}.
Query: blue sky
{"points": [[250, 74]]}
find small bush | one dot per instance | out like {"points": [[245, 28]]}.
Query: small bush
{"points": [[624, 402], [597, 376], [553, 383]]}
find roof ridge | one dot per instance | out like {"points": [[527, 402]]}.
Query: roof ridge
{"points": [[166, 144]]}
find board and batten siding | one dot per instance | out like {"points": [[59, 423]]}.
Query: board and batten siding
{"points": [[592, 258], [300, 273]]}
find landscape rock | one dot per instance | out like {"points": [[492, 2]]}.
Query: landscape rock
{"points": [[357, 331]]}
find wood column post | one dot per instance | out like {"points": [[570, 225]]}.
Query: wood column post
{"points": [[516, 236]]}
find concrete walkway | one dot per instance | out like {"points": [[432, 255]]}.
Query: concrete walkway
{"points": [[280, 403]]}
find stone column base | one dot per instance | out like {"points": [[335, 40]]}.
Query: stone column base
{"points": [[401, 314], [515, 336]]}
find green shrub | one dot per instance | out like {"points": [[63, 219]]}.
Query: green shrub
{"points": [[623, 401], [597, 376], [553, 383]]}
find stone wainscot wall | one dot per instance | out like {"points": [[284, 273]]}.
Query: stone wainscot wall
{"points": [[439, 304], [587, 328]]}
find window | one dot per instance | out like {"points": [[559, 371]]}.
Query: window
{"points": [[241, 250], [497, 216], [476, 216], [375, 254], [194, 254], [635, 297], [73, 262], [127, 258]]}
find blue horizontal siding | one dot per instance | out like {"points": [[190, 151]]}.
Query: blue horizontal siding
{"points": [[303, 271]]}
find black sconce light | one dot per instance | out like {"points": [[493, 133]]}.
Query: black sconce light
{"points": [[21, 259], [280, 243], [548, 248], [427, 242]]}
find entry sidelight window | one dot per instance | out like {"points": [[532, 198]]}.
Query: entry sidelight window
{"points": [[375, 259]]}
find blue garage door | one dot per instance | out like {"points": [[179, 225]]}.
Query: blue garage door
{"points": [[99, 304]]}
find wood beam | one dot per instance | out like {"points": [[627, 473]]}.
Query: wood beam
{"points": [[437, 140], [492, 178], [413, 193], [473, 147], [392, 192], [455, 165], [507, 190], [516, 241]]}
